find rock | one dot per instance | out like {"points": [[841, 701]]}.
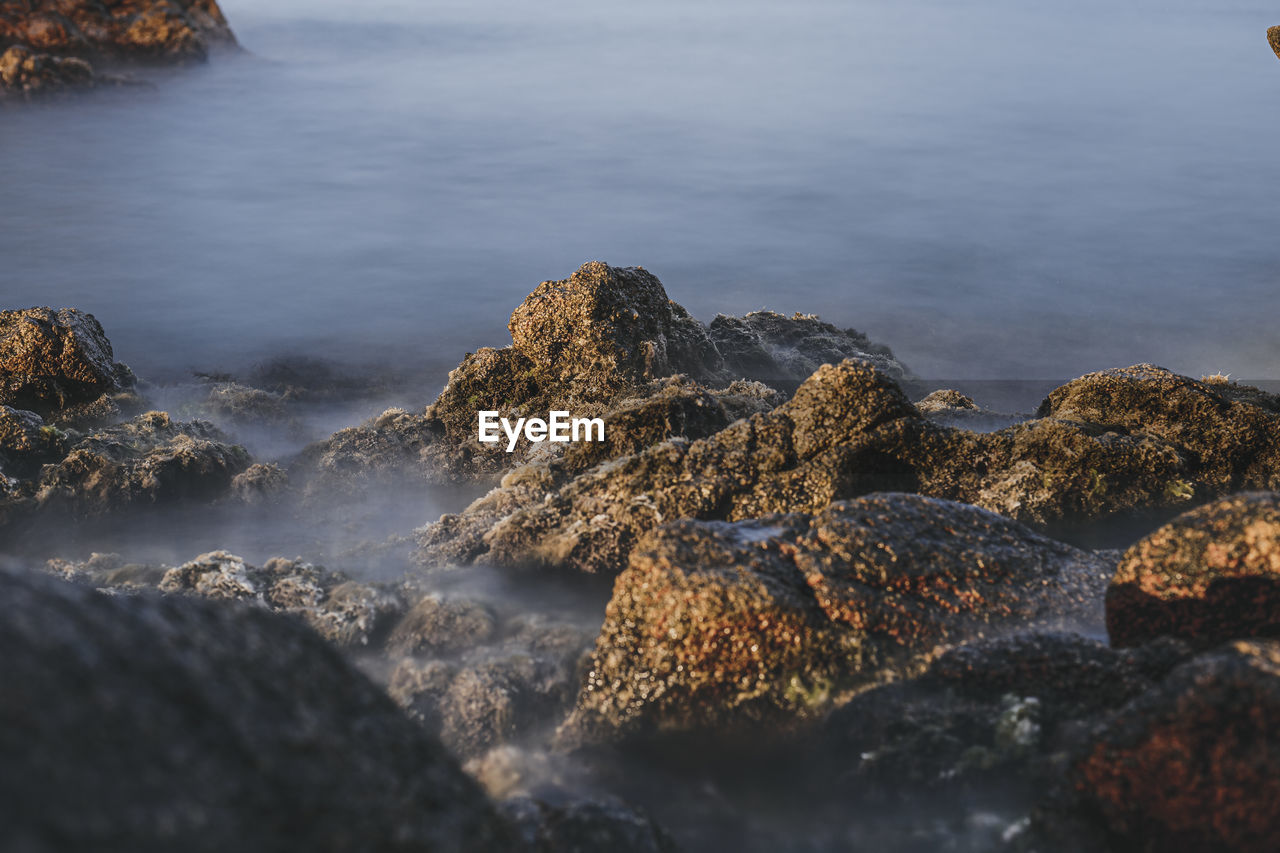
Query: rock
{"points": [[26, 443], [1193, 763], [347, 613], [1273, 38], [437, 625], [1116, 447], [604, 324], [147, 461], [986, 719], [783, 351], [26, 74], [948, 407], [242, 405], [260, 483], [52, 362], [1230, 444], [1211, 574], [604, 343], [766, 623], [586, 826], [139, 723], [141, 31]]}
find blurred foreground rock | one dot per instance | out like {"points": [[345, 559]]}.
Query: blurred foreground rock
{"points": [[138, 723]]}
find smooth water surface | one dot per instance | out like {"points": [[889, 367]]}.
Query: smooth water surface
{"points": [[997, 189]]}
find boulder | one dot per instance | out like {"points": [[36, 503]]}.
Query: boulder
{"points": [[1194, 763], [1273, 38], [1209, 575], [144, 723], [768, 622], [57, 363], [27, 443]]}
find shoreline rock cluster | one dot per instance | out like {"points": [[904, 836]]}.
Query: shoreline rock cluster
{"points": [[52, 48], [801, 575]]}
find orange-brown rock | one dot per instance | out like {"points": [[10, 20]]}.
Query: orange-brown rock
{"points": [[1209, 575]]}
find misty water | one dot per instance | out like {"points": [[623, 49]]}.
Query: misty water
{"points": [[999, 190]]}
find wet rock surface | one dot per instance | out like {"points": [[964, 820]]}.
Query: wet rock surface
{"points": [[783, 350], [25, 74], [1209, 575], [145, 724], [585, 826], [716, 626]]}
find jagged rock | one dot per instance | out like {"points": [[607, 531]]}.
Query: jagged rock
{"points": [[602, 343], [1193, 763], [765, 622], [146, 461], [951, 408], [1232, 442], [1211, 574], [1273, 38], [1130, 444], [148, 31], [243, 405], [140, 723], [604, 325], [25, 74], [586, 826], [777, 349], [56, 362]]}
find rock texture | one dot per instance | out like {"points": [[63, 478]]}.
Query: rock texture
{"points": [[586, 826], [783, 351], [1135, 443], [345, 612], [25, 74], [716, 626], [58, 363], [604, 342], [1273, 38], [136, 723], [1193, 763], [117, 31], [1209, 575]]}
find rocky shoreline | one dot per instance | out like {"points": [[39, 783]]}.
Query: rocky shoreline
{"points": [[781, 607]]}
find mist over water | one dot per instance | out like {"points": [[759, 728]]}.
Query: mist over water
{"points": [[1002, 189]]}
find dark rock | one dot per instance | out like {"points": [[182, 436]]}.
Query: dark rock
{"points": [[781, 350], [586, 826], [438, 625], [138, 723], [26, 443], [1194, 763], [951, 408], [1273, 38], [1210, 575], [52, 362], [767, 622]]}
